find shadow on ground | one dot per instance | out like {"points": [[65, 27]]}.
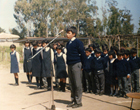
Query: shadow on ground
{"points": [[107, 102], [62, 101]]}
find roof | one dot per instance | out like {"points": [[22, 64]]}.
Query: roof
{"points": [[5, 36], [49, 39]]}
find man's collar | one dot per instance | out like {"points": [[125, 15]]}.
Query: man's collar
{"points": [[134, 57], [127, 59], [92, 51], [89, 56], [59, 54], [73, 38], [98, 57], [13, 52]]}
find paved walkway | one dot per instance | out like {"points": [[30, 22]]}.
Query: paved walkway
{"points": [[24, 97]]}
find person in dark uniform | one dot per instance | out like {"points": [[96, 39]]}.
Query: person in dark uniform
{"points": [[39, 44], [135, 65], [121, 72], [75, 59], [27, 66], [97, 66], [61, 67], [87, 70], [14, 63], [106, 59], [127, 58], [55, 66], [47, 63], [36, 65], [110, 70]]}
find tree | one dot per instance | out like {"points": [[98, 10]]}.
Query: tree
{"points": [[2, 30]]}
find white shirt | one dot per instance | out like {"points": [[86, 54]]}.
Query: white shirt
{"points": [[72, 40], [88, 56], [112, 60]]}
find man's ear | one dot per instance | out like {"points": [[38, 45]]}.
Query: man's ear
{"points": [[74, 34]]}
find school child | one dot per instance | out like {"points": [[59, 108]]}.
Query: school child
{"points": [[36, 65], [127, 58], [115, 49], [47, 63], [121, 73], [75, 59], [98, 65], [27, 66], [110, 66], [14, 63], [61, 67], [55, 61], [93, 47], [106, 59], [39, 44], [64, 50], [87, 70], [135, 65]]}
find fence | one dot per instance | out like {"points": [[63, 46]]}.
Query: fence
{"points": [[122, 41]]}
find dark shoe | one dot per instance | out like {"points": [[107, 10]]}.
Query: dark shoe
{"points": [[97, 93], [111, 94], [37, 87], [49, 89], [101, 94], [70, 105], [63, 87], [15, 84], [77, 105], [125, 96]]}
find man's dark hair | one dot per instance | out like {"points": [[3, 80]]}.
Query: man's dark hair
{"points": [[105, 47], [72, 29], [133, 50], [12, 46], [120, 53], [98, 50], [111, 52], [127, 52], [59, 47], [45, 41], [35, 43], [88, 49], [122, 50], [39, 42]]}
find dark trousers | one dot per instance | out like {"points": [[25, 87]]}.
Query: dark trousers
{"points": [[100, 82], [123, 85], [89, 80], [75, 78], [129, 83], [56, 79], [107, 83], [135, 81], [84, 82]]}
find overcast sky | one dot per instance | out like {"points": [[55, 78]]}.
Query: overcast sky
{"points": [[7, 20]]}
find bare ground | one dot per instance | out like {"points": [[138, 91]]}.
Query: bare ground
{"points": [[25, 97]]}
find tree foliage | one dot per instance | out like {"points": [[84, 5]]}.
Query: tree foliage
{"points": [[43, 18]]}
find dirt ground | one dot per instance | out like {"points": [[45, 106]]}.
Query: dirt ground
{"points": [[25, 97]]}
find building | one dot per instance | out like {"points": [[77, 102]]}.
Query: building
{"points": [[7, 39]]}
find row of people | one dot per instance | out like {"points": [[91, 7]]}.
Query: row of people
{"points": [[104, 71], [43, 65]]}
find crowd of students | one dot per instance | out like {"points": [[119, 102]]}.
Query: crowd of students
{"points": [[108, 71]]}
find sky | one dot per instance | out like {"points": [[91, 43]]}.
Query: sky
{"points": [[7, 20]]}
